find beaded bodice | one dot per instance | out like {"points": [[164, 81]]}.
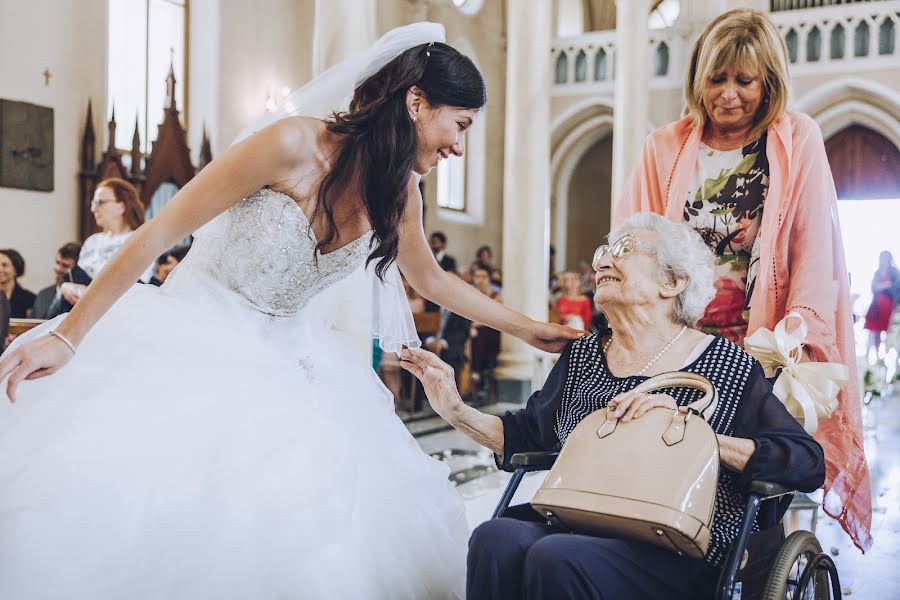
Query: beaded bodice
{"points": [[264, 249]]}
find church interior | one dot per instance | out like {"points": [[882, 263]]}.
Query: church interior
{"points": [[152, 91]]}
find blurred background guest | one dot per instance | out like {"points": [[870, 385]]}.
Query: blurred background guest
{"points": [[438, 243], [885, 292], [12, 266], [118, 211], [573, 307], [47, 303], [166, 263], [484, 347], [4, 322], [450, 341]]}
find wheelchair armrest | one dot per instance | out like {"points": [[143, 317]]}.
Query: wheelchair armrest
{"points": [[767, 489], [533, 459]]}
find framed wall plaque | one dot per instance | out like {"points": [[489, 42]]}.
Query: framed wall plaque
{"points": [[26, 146]]}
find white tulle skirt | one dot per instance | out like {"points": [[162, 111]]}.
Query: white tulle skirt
{"points": [[197, 449]]}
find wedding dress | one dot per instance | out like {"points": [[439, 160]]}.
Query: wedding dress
{"points": [[222, 437]]}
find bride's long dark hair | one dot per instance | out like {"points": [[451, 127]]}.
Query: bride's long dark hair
{"points": [[379, 138]]}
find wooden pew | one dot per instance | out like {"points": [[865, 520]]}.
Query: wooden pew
{"points": [[427, 323], [19, 326]]}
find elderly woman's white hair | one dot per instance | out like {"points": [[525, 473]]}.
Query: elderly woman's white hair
{"points": [[681, 252]]}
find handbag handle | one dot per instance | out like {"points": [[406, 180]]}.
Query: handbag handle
{"points": [[704, 407]]}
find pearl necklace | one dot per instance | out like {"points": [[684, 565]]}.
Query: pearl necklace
{"points": [[658, 354]]}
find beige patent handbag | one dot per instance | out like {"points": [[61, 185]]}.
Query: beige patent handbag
{"points": [[652, 479]]}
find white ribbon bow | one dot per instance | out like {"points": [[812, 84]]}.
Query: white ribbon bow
{"points": [[808, 389]]}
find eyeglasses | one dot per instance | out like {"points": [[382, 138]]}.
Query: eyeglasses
{"points": [[95, 203], [621, 249]]}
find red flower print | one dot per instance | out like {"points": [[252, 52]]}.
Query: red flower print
{"points": [[727, 306]]}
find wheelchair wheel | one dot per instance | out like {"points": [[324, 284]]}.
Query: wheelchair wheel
{"points": [[802, 571]]}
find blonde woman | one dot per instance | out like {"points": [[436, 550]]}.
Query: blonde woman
{"points": [[753, 179]]}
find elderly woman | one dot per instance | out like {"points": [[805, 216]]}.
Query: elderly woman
{"points": [[753, 179], [653, 282]]}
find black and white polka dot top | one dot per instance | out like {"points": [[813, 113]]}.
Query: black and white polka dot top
{"points": [[590, 386], [581, 383]]}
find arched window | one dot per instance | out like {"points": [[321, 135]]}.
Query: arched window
{"points": [[600, 69], [838, 40], [580, 66], [790, 40], [861, 40], [661, 60], [562, 67], [145, 38], [813, 44]]}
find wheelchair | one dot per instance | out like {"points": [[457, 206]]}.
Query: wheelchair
{"points": [[761, 565]]}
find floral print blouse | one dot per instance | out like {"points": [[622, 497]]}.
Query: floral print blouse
{"points": [[725, 207]]}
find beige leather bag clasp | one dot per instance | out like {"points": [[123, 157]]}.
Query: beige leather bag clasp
{"points": [[652, 479]]}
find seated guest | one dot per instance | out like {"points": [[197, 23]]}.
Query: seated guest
{"points": [[47, 304], [450, 341], [573, 306], [12, 266], [438, 243], [118, 211], [4, 323], [653, 282], [166, 263], [485, 346], [484, 258]]}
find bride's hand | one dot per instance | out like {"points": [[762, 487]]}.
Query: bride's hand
{"points": [[437, 378], [38, 358], [551, 337]]}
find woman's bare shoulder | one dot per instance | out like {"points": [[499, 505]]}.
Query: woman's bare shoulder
{"points": [[304, 133], [295, 140]]}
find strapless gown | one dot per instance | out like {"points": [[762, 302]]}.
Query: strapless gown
{"points": [[224, 436]]}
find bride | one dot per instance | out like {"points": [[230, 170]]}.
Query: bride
{"points": [[270, 463]]}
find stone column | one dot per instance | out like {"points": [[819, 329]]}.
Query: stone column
{"points": [[632, 75], [526, 184], [343, 28]]}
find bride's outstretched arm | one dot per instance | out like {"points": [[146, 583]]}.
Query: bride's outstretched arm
{"points": [[262, 159], [425, 276]]}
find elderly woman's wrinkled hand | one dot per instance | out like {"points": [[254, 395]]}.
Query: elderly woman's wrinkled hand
{"points": [[634, 405], [437, 378]]}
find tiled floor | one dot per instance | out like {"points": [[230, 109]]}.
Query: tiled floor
{"points": [[875, 575]]}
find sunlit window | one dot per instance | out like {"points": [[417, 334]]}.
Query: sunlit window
{"points": [[469, 7], [451, 183], [665, 14], [145, 38]]}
